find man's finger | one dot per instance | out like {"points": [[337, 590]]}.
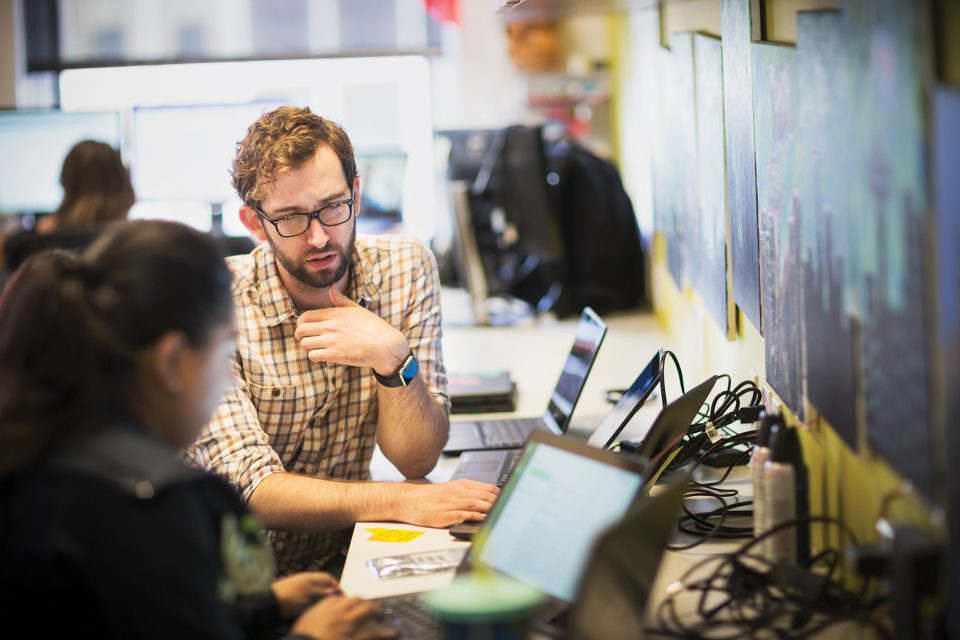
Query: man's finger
{"points": [[340, 300]]}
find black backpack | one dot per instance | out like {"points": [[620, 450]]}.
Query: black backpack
{"points": [[603, 264]]}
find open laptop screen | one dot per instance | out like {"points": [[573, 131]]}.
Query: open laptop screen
{"points": [[632, 400], [586, 344], [561, 495]]}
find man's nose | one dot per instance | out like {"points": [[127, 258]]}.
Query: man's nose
{"points": [[317, 234]]}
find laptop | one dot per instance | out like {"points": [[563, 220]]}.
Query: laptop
{"points": [[542, 528], [510, 433], [659, 443], [612, 597], [656, 451], [494, 467]]}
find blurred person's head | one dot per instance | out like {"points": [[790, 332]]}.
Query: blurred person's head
{"points": [[290, 163], [96, 186], [141, 324]]}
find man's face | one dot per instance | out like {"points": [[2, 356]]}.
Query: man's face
{"points": [[319, 257]]}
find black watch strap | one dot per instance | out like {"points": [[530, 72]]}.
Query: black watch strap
{"points": [[408, 371]]}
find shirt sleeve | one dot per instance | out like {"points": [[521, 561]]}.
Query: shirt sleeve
{"points": [[233, 444], [422, 325]]}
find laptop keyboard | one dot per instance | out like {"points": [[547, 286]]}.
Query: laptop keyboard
{"points": [[512, 458], [406, 615], [507, 433]]}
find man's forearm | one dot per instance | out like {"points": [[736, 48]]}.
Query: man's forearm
{"points": [[302, 503], [412, 427]]}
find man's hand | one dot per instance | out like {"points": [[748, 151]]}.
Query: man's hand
{"points": [[297, 592], [338, 618], [349, 334], [441, 505]]}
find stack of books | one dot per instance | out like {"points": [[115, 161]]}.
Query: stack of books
{"points": [[481, 392]]}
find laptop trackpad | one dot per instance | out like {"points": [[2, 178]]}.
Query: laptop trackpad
{"points": [[481, 466]]}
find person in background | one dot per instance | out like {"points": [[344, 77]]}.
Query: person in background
{"points": [[110, 363], [338, 350], [96, 191]]}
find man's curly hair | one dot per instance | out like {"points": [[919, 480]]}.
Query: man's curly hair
{"points": [[284, 139]]}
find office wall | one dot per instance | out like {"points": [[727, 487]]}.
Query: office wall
{"points": [[473, 83], [848, 479]]}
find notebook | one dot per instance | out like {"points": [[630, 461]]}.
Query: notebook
{"points": [[511, 433], [493, 467], [481, 391]]}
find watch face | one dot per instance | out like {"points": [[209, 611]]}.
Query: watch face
{"points": [[409, 369]]}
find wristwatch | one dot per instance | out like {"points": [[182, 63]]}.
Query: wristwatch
{"points": [[408, 371]]}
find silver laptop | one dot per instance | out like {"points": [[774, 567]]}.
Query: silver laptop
{"points": [[511, 433], [494, 467]]}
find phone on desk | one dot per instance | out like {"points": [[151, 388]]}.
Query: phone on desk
{"points": [[465, 530]]}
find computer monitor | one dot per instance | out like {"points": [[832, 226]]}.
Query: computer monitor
{"points": [[193, 214], [473, 152], [33, 145], [185, 153], [515, 225], [381, 183]]}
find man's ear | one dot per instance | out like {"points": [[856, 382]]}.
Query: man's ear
{"points": [[252, 222], [356, 196]]}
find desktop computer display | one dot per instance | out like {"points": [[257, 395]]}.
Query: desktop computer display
{"points": [[33, 145], [185, 153], [381, 183]]}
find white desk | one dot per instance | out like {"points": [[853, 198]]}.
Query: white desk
{"points": [[534, 354]]}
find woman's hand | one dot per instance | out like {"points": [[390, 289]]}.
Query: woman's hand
{"points": [[297, 592]]}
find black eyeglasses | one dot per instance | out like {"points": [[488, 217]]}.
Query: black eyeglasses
{"points": [[294, 224]]}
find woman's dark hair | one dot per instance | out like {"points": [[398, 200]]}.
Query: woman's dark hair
{"points": [[96, 186], [72, 327]]}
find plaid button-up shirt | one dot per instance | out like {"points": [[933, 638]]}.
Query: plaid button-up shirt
{"points": [[318, 419]]}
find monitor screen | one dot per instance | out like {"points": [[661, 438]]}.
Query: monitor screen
{"points": [[586, 344], [33, 145], [185, 153], [628, 405], [381, 183], [193, 214], [555, 504]]}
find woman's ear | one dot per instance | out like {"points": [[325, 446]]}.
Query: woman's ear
{"points": [[166, 359]]}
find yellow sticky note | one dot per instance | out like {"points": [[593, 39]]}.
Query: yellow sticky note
{"points": [[393, 535]]}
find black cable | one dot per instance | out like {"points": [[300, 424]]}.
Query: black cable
{"points": [[747, 594], [663, 375]]}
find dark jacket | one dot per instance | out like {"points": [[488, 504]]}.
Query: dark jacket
{"points": [[112, 536]]}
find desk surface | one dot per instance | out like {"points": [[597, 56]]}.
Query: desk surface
{"points": [[534, 354]]}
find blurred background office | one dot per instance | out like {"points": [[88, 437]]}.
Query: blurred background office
{"points": [[791, 167]]}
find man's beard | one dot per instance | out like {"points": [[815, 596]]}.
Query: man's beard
{"points": [[317, 279]]}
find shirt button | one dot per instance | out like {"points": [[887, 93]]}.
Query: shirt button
{"points": [[276, 393], [144, 490]]}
